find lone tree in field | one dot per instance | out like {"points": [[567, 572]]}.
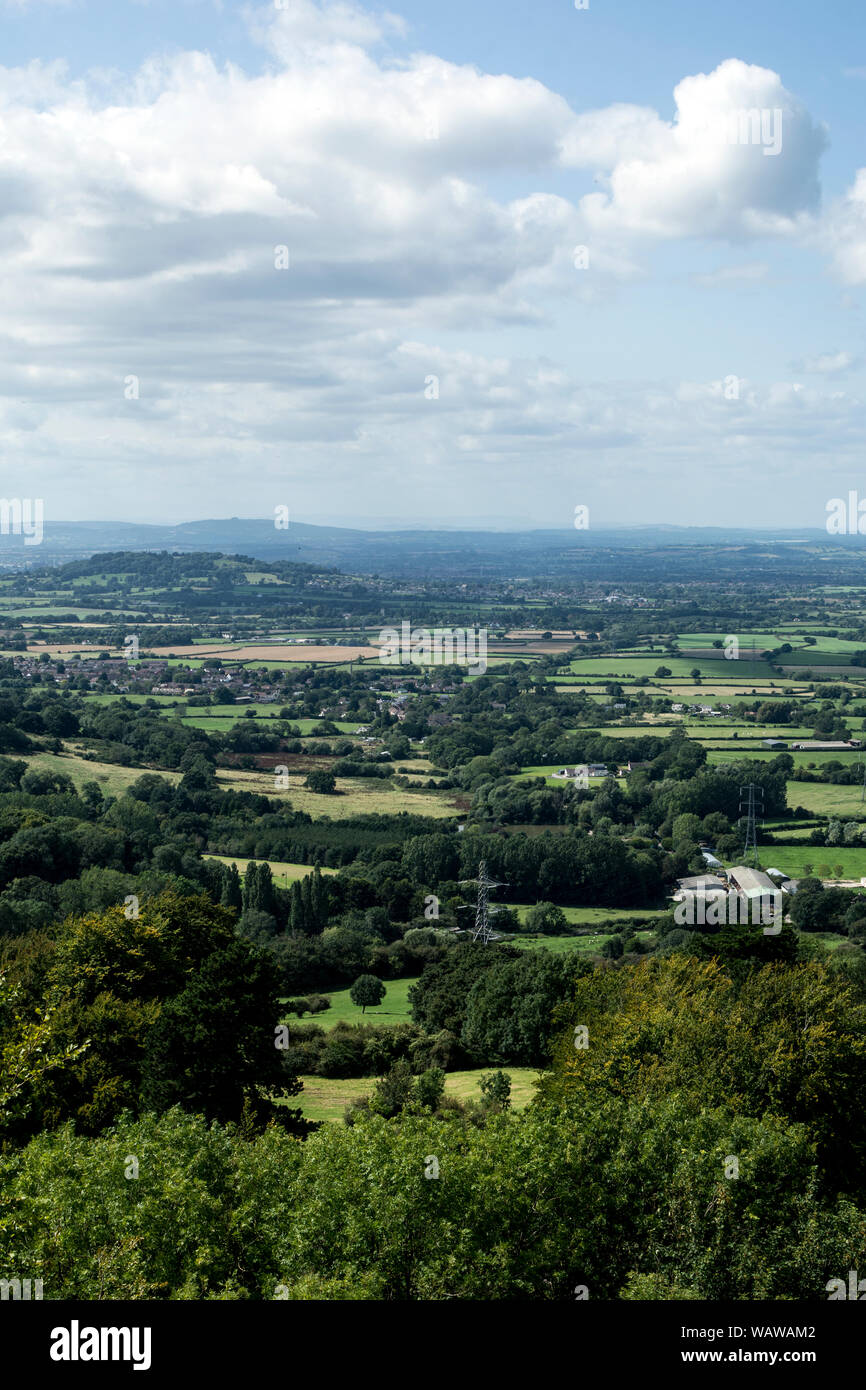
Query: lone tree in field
{"points": [[367, 989], [321, 781]]}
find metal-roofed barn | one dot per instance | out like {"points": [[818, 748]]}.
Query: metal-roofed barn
{"points": [[751, 882]]}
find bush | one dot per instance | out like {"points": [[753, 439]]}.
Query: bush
{"points": [[308, 1004], [394, 1091], [496, 1090], [547, 919], [441, 1049], [342, 1053], [318, 1003], [321, 781], [304, 1052], [429, 1088]]}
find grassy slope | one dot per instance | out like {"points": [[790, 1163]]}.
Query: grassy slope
{"points": [[110, 777]]}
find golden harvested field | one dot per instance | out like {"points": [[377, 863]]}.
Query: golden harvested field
{"points": [[710, 692], [65, 648], [514, 650], [256, 651], [533, 633], [270, 651]]}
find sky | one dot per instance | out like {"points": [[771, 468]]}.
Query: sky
{"points": [[447, 264]]}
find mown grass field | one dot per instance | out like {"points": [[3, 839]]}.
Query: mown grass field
{"points": [[658, 725], [283, 873], [796, 832], [740, 689], [588, 916], [325, 1098], [723, 731], [358, 796], [712, 729], [562, 945], [679, 690], [677, 665], [746, 639], [740, 753]]}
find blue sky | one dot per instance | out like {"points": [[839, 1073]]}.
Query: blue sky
{"points": [[432, 353]]}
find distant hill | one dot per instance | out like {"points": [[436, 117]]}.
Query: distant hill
{"points": [[476, 553]]}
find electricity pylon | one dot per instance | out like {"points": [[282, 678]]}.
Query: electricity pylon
{"points": [[754, 802], [483, 910]]}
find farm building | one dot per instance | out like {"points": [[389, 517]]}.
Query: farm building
{"points": [[752, 883], [707, 884], [826, 745]]}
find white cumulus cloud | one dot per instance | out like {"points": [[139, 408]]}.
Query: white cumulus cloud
{"points": [[739, 159]]}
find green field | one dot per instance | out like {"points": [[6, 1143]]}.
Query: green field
{"points": [[677, 665], [823, 858], [166, 700], [825, 799], [393, 1009], [325, 1098], [771, 640]]}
